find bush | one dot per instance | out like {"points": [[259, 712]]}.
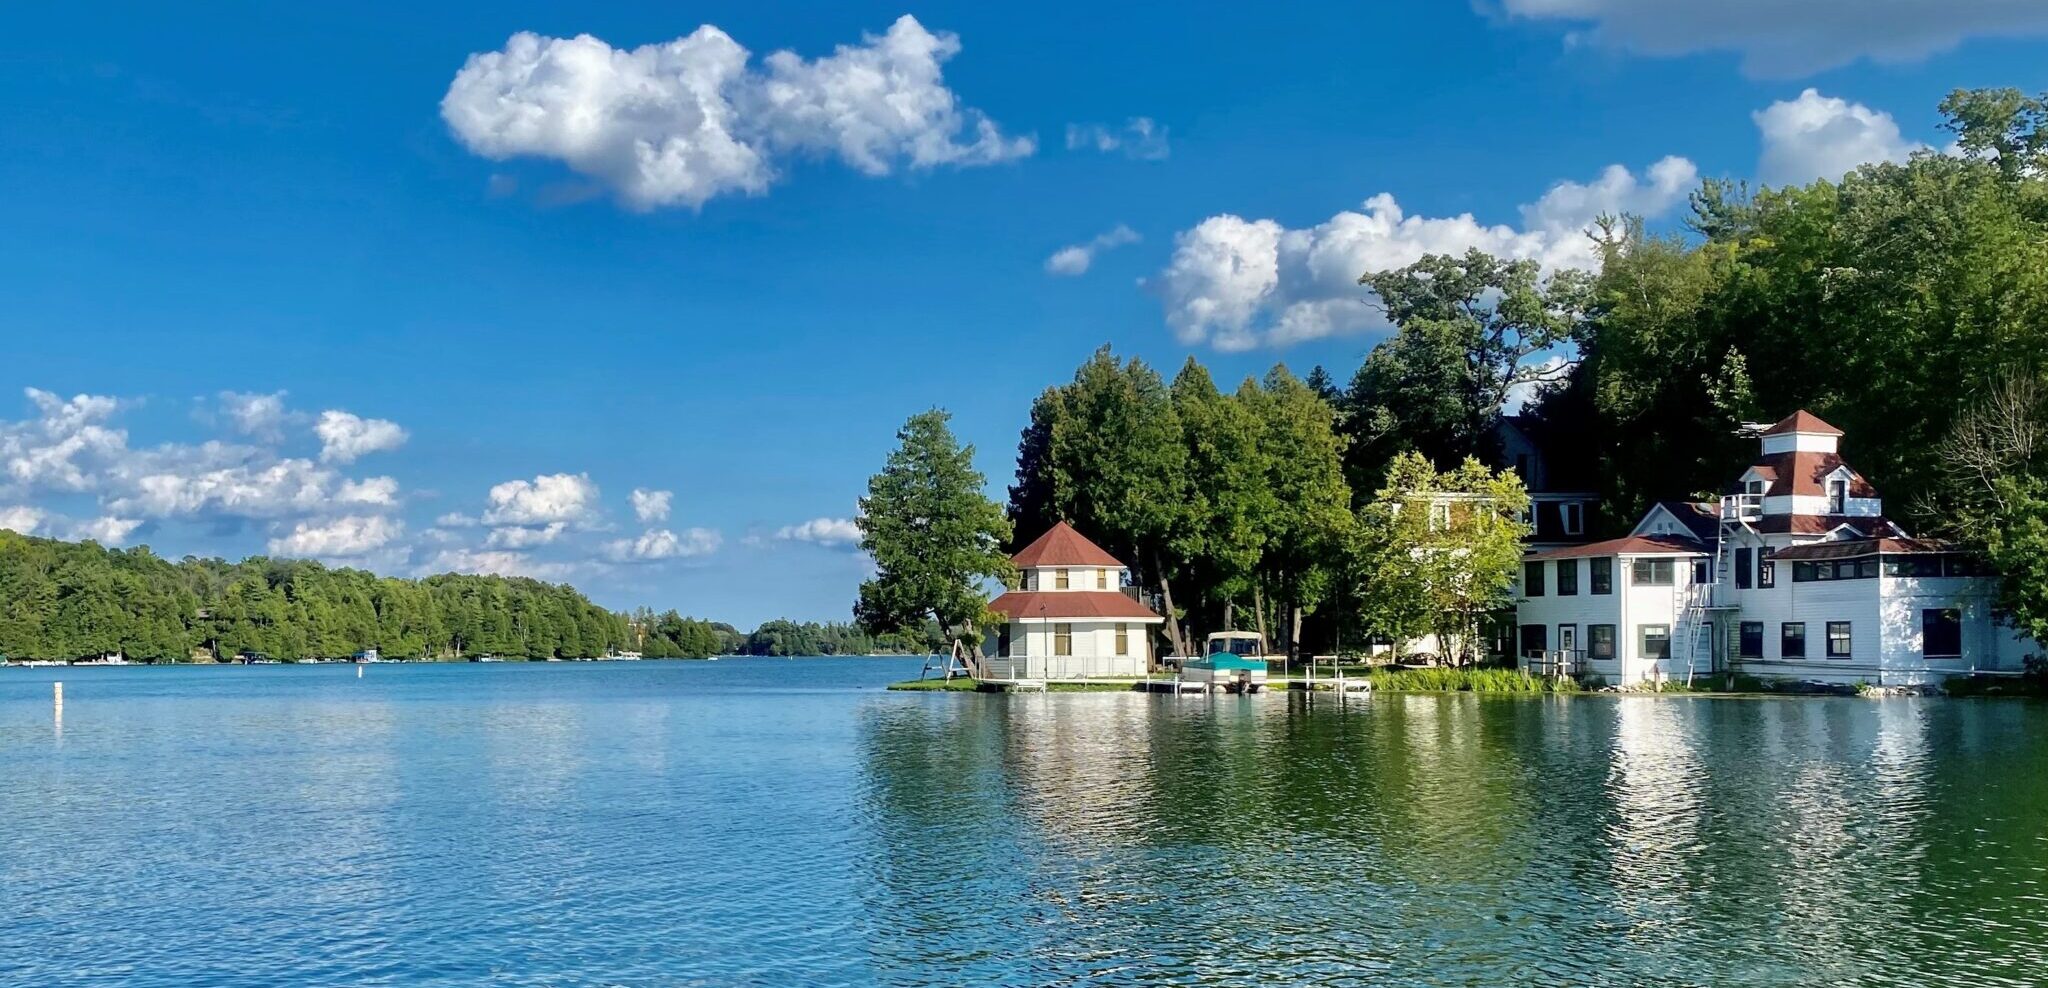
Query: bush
{"points": [[1467, 680]]}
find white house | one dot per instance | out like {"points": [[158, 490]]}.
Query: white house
{"points": [[1070, 615], [1796, 575]]}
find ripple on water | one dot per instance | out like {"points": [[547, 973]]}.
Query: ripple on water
{"points": [[675, 825]]}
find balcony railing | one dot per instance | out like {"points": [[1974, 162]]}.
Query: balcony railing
{"points": [[1742, 508]]}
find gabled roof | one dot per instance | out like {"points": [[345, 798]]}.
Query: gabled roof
{"points": [[1861, 547], [1062, 546], [1055, 605], [1633, 545], [1806, 472], [1702, 518], [1802, 421]]}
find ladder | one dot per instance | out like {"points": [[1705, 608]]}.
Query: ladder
{"points": [[958, 662]]}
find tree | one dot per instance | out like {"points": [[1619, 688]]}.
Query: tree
{"points": [[1465, 330], [1304, 470], [1436, 552], [936, 539], [1230, 502], [1995, 492]]}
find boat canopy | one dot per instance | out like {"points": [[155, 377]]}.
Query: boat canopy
{"points": [[1236, 643]]}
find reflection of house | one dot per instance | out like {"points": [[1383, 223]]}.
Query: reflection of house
{"points": [[1558, 477], [1797, 575], [1070, 614]]}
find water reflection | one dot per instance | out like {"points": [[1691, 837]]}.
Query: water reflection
{"points": [[1423, 840]]}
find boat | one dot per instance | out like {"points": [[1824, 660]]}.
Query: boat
{"points": [[1231, 660]]}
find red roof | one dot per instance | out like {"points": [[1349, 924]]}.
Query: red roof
{"points": [[1633, 545], [1806, 472], [1802, 421], [1861, 547], [1865, 525], [1062, 546], [1067, 604]]}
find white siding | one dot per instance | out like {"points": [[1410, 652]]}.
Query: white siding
{"points": [[1093, 649]]}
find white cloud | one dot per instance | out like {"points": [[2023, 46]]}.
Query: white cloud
{"points": [[1239, 283], [651, 505], [1818, 136], [344, 438], [660, 543], [496, 563], [823, 531], [1075, 260], [550, 497], [456, 519], [217, 479], [381, 491], [22, 519], [520, 537], [1786, 39], [1140, 137], [65, 446], [107, 529], [345, 537], [685, 121], [258, 416]]}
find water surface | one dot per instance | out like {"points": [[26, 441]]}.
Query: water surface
{"points": [[771, 822]]}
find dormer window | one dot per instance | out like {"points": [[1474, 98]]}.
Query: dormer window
{"points": [[1060, 580], [1754, 487], [1838, 496], [1102, 579]]}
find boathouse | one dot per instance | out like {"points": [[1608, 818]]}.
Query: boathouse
{"points": [[1796, 573], [1071, 614]]}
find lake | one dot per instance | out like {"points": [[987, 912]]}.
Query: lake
{"points": [[774, 822]]}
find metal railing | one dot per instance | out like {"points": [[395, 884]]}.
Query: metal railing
{"points": [[1554, 662]]}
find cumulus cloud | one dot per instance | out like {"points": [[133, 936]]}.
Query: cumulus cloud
{"points": [[687, 120], [496, 563], [1075, 260], [65, 445], [823, 531], [106, 530], [1139, 137], [382, 491], [651, 505], [258, 416], [1237, 283], [522, 537], [346, 537], [1818, 136], [456, 519], [660, 543], [1780, 39], [344, 438], [21, 519], [550, 497]]}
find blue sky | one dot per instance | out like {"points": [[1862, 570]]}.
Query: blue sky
{"points": [[307, 279]]}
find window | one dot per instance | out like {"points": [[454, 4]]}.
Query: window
{"points": [[1567, 577], [1102, 579], [1600, 641], [1030, 579], [1838, 639], [1941, 633], [1700, 572], [1755, 487], [1650, 572], [1574, 518], [1655, 641], [1838, 497], [1535, 639], [1003, 642], [1742, 568], [1866, 568], [1792, 640], [1602, 572], [1123, 639], [1749, 643], [1532, 578], [1060, 580], [1062, 639], [1766, 570]]}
